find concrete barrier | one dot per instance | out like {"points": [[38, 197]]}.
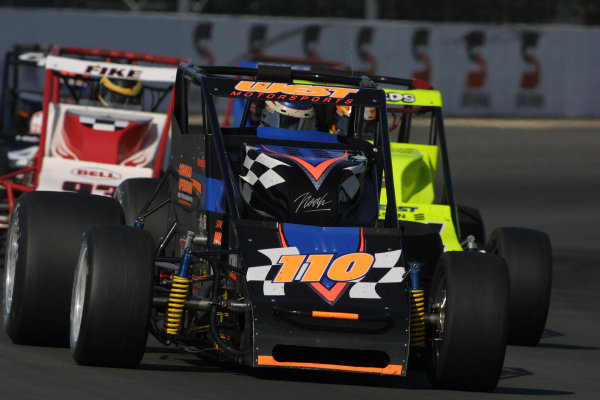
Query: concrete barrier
{"points": [[482, 71]]}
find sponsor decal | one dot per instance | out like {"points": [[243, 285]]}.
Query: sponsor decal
{"points": [[293, 92], [185, 185], [531, 77], [363, 42], [114, 72], [203, 35], [218, 236], [33, 139], [88, 188], [398, 96], [528, 97], [474, 96], [407, 209], [310, 40], [420, 41], [93, 172], [257, 38], [185, 170]]}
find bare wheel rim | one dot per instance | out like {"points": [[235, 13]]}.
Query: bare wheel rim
{"points": [[12, 253], [78, 295]]}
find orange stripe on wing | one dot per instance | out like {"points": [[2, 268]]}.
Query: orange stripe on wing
{"points": [[336, 315], [388, 370]]}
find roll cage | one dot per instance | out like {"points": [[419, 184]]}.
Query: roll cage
{"points": [[410, 97], [277, 82]]}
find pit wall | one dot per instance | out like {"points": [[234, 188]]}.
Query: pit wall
{"points": [[482, 70]]}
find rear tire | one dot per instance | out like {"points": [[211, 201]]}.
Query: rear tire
{"points": [[112, 296], [468, 303], [44, 238], [528, 254]]}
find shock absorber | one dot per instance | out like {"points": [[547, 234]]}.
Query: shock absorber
{"points": [[417, 308], [179, 291]]}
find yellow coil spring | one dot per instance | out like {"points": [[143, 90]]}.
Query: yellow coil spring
{"points": [[179, 292], [417, 318]]}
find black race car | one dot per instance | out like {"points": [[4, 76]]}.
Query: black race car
{"points": [[262, 245], [21, 104]]}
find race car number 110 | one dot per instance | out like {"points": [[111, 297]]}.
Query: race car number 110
{"points": [[345, 268]]}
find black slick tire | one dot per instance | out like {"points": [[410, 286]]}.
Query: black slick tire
{"points": [[468, 308], [44, 238], [112, 296], [528, 254]]}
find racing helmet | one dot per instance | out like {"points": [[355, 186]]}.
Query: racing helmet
{"points": [[119, 92], [282, 114]]}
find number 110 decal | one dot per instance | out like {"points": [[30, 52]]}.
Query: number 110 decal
{"points": [[313, 267]]}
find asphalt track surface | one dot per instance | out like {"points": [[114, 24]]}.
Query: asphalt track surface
{"points": [[539, 175]]}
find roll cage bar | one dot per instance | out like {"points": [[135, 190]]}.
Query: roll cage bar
{"points": [[437, 132]]}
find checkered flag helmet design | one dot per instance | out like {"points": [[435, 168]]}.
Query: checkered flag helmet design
{"points": [[259, 167], [258, 172]]}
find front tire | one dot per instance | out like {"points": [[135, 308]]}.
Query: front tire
{"points": [[468, 308], [112, 296], [528, 254], [44, 237]]}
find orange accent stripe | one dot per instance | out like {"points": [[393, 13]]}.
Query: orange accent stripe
{"points": [[337, 315], [315, 171], [389, 370], [184, 202], [281, 236], [362, 241], [201, 163]]}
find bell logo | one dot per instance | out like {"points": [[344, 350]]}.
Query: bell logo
{"points": [[96, 173]]}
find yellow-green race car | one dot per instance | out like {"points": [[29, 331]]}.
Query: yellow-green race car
{"points": [[424, 194]]}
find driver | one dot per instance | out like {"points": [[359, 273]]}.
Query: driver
{"points": [[119, 92], [281, 114]]}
